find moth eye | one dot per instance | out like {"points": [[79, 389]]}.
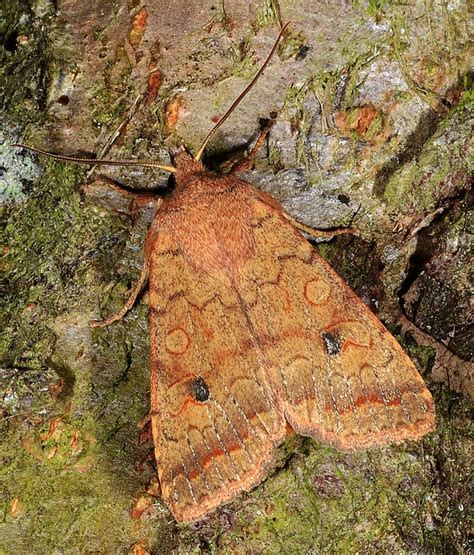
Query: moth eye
{"points": [[199, 389], [332, 343]]}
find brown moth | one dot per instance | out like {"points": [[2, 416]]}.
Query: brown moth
{"points": [[250, 331]]}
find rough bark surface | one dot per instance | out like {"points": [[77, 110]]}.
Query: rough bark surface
{"points": [[374, 105]]}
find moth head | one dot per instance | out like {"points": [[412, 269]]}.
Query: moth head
{"points": [[184, 161]]}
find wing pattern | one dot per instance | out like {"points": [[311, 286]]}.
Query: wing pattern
{"points": [[285, 341], [342, 376], [215, 418]]}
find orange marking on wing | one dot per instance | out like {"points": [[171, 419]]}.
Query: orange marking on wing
{"points": [[348, 343], [287, 303], [360, 401], [187, 401], [212, 455], [374, 398], [231, 447], [194, 474], [177, 369], [177, 341], [316, 291]]}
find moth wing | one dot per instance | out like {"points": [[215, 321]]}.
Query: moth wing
{"points": [[342, 376], [214, 420]]}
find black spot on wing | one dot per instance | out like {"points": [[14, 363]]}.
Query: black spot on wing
{"points": [[332, 343], [199, 389]]}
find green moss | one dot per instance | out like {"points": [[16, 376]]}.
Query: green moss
{"points": [[355, 260], [291, 44], [268, 14], [467, 99], [48, 253], [375, 128], [421, 181], [274, 158], [25, 71], [103, 112], [75, 495], [375, 8], [242, 60], [68, 477]]}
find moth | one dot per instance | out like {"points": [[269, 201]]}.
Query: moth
{"points": [[252, 331]]}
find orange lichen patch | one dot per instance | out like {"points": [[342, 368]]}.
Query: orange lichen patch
{"points": [[154, 83], [55, 430], [75, 443], [175, 111], [141, 505], [138, 28], [356, 119], [32, 448], [144, 503], [52, 452], [15, 509], [139, 549], [55, 388], [365, 117]]}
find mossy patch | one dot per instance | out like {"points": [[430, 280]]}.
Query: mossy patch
{"points": [[52, 240], [67, 416], [442, 165], [24, 60]]}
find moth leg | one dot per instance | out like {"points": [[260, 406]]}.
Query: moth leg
{"points": [[136, 199], [321, 233], [137, 289], [247, 162]]}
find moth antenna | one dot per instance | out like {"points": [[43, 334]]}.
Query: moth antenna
{"points": [[241, 95], [94, 161]]}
